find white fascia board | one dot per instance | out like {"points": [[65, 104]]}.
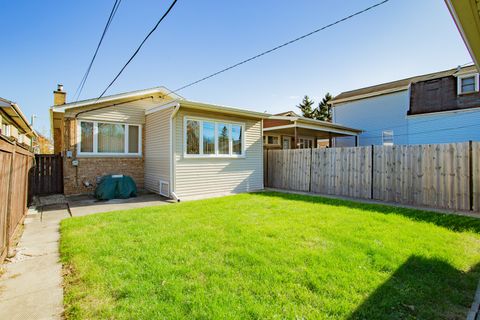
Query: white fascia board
{"points": [[170, 104]]}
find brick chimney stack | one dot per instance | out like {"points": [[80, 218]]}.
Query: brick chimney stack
{"points": [[59, 96]]}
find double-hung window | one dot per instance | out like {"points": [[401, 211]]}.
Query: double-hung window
{"points": [[109, 139], [210, 138], [387, 138], [468, 83]]}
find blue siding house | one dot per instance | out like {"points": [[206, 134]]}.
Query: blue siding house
{"points": [[440, 107]]}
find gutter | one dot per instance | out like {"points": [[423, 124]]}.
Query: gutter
{"points": [[172, 155]]}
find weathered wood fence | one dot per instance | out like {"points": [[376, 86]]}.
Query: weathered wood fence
{"points": [[435, 175], [47, 177], [15, 166]]}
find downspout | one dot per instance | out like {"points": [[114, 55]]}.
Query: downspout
{"points": [[172, 155]]}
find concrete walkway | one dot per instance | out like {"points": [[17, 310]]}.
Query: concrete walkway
{"points": [[31, 287]]}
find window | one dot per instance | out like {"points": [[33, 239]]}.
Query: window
{"points": [[468, 83], [193, 137], [111, 138], [103, 138], [304, 143], [272, 140], [387, 138], [208, 137], [86, 139], [6, 129], [218, 139], [223, 138], [237, 133]]}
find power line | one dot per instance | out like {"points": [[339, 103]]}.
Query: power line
{"points": [[107, 25], [139, 47], [429, 131], [281, 46]]}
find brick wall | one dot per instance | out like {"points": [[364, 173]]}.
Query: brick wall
{"points": [[91, 168]]}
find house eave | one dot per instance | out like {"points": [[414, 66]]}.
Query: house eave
{"points": [[116, 98], [466, 15], [369, 95]]}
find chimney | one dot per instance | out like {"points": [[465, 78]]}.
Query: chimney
{"points": [[59, 96]]}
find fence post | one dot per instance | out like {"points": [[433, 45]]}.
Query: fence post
{"points": [[311, 166], [470, 173], [9, 197], [371, 171]]}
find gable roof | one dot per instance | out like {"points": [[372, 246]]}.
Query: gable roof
{"points": [[288, 114], [116, 97], [395, 86]]}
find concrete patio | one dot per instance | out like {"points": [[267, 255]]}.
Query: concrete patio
{"points": [[31, 287]]}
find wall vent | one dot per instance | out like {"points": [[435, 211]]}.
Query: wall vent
{"points": [[164, 188]]}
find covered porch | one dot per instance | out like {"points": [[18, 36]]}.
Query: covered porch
{"points": [[286, 132]]}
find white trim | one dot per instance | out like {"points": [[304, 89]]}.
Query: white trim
{"points": [[432, 114], [176, 107], [132, 94], [216, 122], [463, 76], [162, 107], [95, 152]]}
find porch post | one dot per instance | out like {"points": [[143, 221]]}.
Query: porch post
{"points": [[329, 139], [295, 139], [356, 141]]}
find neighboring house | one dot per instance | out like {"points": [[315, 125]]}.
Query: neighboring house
{"points": [[289, 130], [466, 14], [43, 145], [168, 145], [439, 107], [14, 125]]}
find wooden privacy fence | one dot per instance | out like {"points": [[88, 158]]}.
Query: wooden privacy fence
{"points": [[435, 175], [15, 166]]}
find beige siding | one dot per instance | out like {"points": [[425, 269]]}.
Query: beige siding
{"points": [[133, 112], [157, 149], [198, 178]]}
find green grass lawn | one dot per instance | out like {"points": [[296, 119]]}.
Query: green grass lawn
{"points": [[270, 256]]}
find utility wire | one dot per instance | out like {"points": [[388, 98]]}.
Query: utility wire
{"points": [[281, 46], [107, 25], [138, 49], [429, 131]]}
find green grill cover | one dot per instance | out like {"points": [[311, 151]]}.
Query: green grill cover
{"points": [[115, 187]]}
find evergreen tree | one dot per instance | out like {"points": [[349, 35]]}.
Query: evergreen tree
{"points": [[306, 107], [324, 110]]}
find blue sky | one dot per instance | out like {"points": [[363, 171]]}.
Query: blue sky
{"points": [[49, 42]]}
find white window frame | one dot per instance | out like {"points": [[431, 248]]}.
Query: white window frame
{"points": [[216, 154], [95, 140], [391, 135], [463, 76], [271, 144], [7, 130], [303, 140]]}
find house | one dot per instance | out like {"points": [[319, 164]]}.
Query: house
{"points": [[168, 145], [466, 14], [440, 107], [14, 125], [289, 130]]}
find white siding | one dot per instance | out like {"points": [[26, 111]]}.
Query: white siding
{"points": [[374, 115], [204, 177], [157, 149]]}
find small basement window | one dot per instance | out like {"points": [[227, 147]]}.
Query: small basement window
{"points": [[468, 83]]}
